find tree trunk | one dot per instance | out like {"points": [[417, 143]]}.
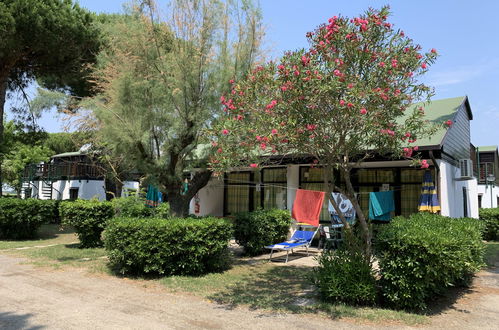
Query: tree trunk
{"points": [[3, 93], [113, 188], [365, 231], [179, 203]]}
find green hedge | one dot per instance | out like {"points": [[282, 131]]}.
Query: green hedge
{"points": [[21, 218], [168, 247], [89, 219], [346, 277], [131, 207], [255, 230], [419, 257], [490, 218]]}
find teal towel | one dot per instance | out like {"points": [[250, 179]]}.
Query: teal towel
{"points": [[381, 205]]}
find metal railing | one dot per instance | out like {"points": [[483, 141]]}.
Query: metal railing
{"points": [[53, 172]]}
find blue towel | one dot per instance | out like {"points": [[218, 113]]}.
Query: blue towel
{"points": [[381, 205]]}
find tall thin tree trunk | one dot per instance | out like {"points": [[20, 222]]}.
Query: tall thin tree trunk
{"points": [[3, 93], [365, 231]]}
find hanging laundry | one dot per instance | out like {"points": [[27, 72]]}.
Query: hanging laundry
{"points": [[381, 205], [307, 206], [429, 197], [152, 197], [345, 206]]}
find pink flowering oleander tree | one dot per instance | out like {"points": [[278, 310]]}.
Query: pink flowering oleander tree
{"points": [[342, 101]]}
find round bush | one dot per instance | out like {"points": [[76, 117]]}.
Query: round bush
{"points": [[345, 276], [255, 230], [421, 256], [168, 247], [21, 218], [89, 219]]}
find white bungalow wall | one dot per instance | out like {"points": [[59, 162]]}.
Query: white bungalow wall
{"points": [[87, 189], [490, 195], [451, 192], [209, 200]]}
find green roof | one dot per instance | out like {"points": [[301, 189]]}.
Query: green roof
{"points": [[437, 112], [487, 148], [69, 154]]}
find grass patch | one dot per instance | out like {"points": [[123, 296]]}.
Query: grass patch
{"points": [[64, 251], [62, 255], [277, 287], [492, 254], [47, 235]]}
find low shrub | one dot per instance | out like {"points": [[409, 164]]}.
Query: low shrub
{"points": [[168, 247], [490, 218], [255, 230], [344, 276], [162, 210], [131, 206], [89, 219], [21, 218], [50, 210], [420, 256]]}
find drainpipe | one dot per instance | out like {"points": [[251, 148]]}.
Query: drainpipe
{"points": [[437, 175]]}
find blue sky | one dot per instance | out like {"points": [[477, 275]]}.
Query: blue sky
{"points": [[464, 33]]}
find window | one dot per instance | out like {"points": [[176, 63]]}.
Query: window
{"points": [[240, 192], [274, 188], [485, 170], [73, 193], [480, 201]]}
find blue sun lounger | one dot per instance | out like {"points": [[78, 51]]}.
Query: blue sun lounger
{"points": [[300, 238]]}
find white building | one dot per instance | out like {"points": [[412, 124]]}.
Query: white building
{"points": [[448, 151], [488, 181], [70, 175]]}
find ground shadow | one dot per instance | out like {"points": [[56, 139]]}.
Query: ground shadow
{"points": [[447, 301], [49, 231], [285, 288], [9, 320]]}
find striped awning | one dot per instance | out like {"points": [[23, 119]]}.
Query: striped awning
{"points": [[429, 197]]}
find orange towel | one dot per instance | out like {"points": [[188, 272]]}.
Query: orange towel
{"points": [[307, 206]]}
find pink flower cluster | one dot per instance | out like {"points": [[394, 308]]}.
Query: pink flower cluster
{"points": [[387, 131], [332, 27], [228, 103], [424, 164], [272, 104]]}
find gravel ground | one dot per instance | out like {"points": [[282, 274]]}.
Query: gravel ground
{"points": [[35, 298]]}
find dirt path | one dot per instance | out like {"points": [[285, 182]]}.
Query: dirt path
{"points": [[34, 298], [477, 308]]}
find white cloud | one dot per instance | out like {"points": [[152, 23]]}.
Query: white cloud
{"points": [[462, 74]]}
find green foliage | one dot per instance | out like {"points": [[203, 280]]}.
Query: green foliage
{"points": [[20, 148], [255, 230], [421, 256], [345, 277], [168, 247], [65, 142], [177, 65], [162, 210], [21, 218], [89, 219], [47, 39], [491, 224], [131, 206]]}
